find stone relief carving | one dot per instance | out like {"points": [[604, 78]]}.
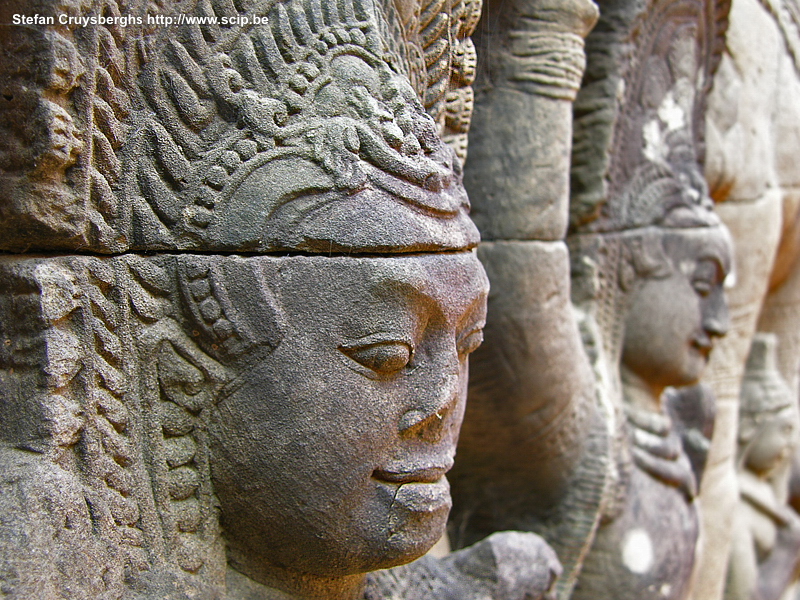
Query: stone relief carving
{"points": [[672, 320], [767, 532], [650, 258], [692, 410], [752, 125], [173, 404], [509, 565], [272, 422], [290, 364], [642, 231], [532, 428]]}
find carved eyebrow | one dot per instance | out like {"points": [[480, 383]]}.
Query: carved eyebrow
{"points": [[417, 287], [475, 307], [411, 287]]}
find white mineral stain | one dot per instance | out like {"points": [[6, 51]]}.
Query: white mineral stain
{"points": [[637, 551], [671, 114], [655, 149]]}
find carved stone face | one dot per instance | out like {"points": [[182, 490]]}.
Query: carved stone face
{"points": [[673, 321], [773, 442], [328, 459]]}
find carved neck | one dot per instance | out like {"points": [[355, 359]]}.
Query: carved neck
{"points": [[296, 586], [638, 393]]}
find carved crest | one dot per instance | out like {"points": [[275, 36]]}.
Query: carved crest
{"points": [[639, 120]]}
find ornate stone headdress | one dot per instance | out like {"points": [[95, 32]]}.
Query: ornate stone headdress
{"points": [[638, 142], [639, 116], [297, 134], [763, 389], [242, 135]]}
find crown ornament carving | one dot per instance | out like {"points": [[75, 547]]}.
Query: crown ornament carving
{"points": [[296, 134], [240, 116], [638, 145]]}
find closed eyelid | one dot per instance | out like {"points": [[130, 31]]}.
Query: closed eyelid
{"points": [[382, 358], [709, 271], [469, 341], [378, 338], [714, 265]]}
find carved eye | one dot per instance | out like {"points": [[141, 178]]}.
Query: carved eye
{"points": [[385, 358], [470, 342], [702, 287], [706, 276]]}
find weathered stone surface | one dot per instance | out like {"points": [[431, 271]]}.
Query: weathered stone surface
{"points": [[766, 537], [726, 367], [531, 431], [638, 114], [673, 310], [532, 390], [226, 425], [649, 260], [306, 132], [304, 403], [752, 124], [532, 62], [505, 566], [693, 411]]}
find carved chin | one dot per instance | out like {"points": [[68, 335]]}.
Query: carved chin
{"points": [[417, 519], [403, 523]]}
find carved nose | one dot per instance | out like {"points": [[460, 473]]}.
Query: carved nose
{"points": [[428, 418], [717, 320]]}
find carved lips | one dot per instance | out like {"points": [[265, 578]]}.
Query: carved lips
{"points": [[420, 475], [419, 490], [704, 345]]}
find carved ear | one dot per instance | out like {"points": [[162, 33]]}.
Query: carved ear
{"points": [[179, 381], [747, 430], [627, 272], [644, 257], [229, 305]]}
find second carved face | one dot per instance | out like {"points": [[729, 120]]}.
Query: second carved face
{"points": [[673, 320]]}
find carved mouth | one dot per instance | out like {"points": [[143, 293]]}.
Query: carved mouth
{"points": [[703, 347], [422, 475]]}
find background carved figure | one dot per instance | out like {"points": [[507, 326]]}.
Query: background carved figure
{"points": [[753, 129], [764, 559], [649, 261], [594, 448]]}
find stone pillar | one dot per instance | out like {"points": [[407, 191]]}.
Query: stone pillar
{"points": [[531, 386]]}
